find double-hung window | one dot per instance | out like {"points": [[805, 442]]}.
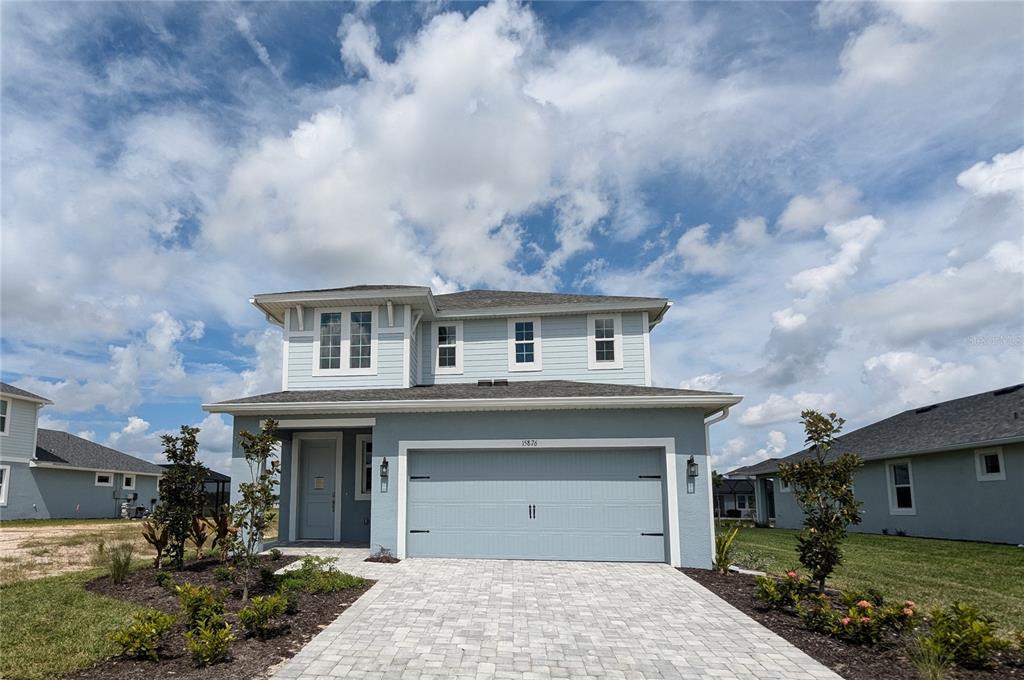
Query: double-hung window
{"points": [[524, 345], [901, 488], [364, 466], [5, 416], [604, 340], [345, 342], [447, 347]]}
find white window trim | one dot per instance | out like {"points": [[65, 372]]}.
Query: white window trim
{"points": [[6, 484], [979, 466], [108, 475], [124, 483], [361, 441], [890, 485], [785, 487], [538, 357], [447, 370], [6, 430], [592, 363], [346, 329]]}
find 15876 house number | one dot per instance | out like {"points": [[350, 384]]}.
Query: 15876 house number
{"points": [[529, 442]]}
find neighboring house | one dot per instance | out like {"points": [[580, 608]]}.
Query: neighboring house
{"points": [[485, 424], [734, 497], [46, 474], [217, 486], [949, 470]]}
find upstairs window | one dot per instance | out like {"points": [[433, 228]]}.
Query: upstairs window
{"points": [[901, 488], [604, 338], [989, 465], [524, 345], [5, 411], [345, 342], [447, 347]]}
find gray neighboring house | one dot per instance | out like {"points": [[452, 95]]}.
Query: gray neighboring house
{"points": [[484, 424], [47, 474], [949, 470]]}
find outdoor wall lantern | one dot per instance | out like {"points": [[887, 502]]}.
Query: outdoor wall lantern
{"points": [[384, 476], [691, 468]]}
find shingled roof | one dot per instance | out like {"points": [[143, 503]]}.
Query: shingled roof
{"points": [[987, 418], [12, 391], [62, 449]]}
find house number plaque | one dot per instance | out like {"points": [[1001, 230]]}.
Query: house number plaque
{"points": [[318, 483]]}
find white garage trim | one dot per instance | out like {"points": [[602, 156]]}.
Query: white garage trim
{"points": [[666, 443]]}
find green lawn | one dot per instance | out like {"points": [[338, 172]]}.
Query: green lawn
{"points": [[53, 626], [929, 571]]}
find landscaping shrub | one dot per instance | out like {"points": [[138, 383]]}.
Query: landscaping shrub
{"points": [[141, 638], [199, 604], [260, 617], [723, 548], [99, 555], [965, 634], [749, 560], [780, 594], [155, 534], [182, 491], [224, 573], [929, 659], [862, 621], [210, 641], [199, 532], [275, 554], [291, 598], [120, 561], [317, 575], [253, 512]]}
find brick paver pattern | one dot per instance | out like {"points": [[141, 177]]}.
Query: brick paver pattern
{"points": [[469, 619]]}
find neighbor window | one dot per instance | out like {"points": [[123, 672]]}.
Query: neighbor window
{"points": [[104, 479], [345, 342], [784, 486], [364, 466], [605, 339], [129, 482], [741, 502], [990, 465], [5, 411], [5, 481], [524, 345], [448, 347], [901, 488]]}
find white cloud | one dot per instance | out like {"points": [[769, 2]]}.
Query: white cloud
{"points": [[137, 439], [774, 447], [702, 254], [706, 382], [779, 409], [1003, 175], [245, 28], [918, 379], [833, 202], [853, 240]]}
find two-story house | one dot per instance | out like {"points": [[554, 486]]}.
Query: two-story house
{"points": [[48, 474], [484, 424]]}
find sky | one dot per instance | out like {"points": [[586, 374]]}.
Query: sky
{"points": [[832, 194]]}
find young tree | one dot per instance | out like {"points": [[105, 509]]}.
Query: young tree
{"points": [[256, 499], [182, 494], [823, 488]]}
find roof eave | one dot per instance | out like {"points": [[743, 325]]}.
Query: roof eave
{"points": [[710, 404], [655, 305], [80, 468], [43, 401], [337, 296]]}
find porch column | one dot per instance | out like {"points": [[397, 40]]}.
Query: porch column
{"points": [[761, 501]]}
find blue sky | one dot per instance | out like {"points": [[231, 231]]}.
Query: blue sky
{"points": [[831, 193]]}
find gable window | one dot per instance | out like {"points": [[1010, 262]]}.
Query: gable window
{"points": [[129, 483], [5, 481], [989, 465], [901, 488], [524, 345], [5, 415], [364, 466], [448, 347], [104, 479], [345, 342], [604, 339]]}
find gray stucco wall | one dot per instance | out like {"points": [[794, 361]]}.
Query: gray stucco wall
{"points": [[949, 500], [42, 493]]}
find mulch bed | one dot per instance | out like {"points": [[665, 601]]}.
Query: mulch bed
{"points": [[251, 658], [383, 559], [854, 662]]}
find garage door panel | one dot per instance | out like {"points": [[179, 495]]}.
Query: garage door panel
{"points": [[589, 505]]}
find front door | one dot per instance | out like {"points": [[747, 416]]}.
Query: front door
{"points": [[316, 489]]}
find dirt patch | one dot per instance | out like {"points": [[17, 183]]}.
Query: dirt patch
{"points": [[36, 550], [854, 662], [251, 658]]}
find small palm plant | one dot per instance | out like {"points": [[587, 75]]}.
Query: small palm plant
{"points": [[199, 532], [155, 534], [723, 548]]}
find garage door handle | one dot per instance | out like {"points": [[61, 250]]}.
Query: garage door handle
{"points": [[649, 476], [644, 533], [420, 477], [419, 531]]}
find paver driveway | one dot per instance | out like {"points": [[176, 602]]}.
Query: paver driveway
{"points": [[430, 618]]}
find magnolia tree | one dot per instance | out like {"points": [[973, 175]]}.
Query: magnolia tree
{"points": [[182, 492], [823, 487], [254, 508]]}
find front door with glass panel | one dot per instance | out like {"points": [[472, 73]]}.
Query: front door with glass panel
{"points": [[316, 489]]}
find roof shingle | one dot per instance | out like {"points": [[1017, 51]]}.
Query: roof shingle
{"points": [[63, 448], [13, 391]]}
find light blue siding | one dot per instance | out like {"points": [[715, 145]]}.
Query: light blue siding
{"points": [[564, 352], [44, 493], [565, 504], [21, 430], [949, 500]]}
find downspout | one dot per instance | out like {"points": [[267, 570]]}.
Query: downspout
{"points": [[708, 422]]}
